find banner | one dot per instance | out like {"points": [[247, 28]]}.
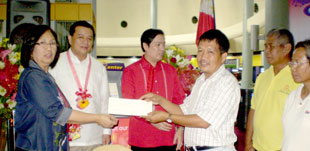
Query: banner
{"points": [[299, 19], [206, 18]]}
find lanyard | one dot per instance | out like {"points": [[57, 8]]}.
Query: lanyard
{"points": [[64, 99], [76, 76]]}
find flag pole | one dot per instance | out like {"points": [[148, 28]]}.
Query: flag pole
{"points": [[153, 13]]}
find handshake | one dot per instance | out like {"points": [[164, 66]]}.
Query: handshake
{"points": [[106, 120]]}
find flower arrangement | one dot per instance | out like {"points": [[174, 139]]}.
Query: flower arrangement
{"points": [[186, 71], [10, 70], [176, 57]]}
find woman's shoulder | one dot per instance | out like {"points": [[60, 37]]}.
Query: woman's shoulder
{"points": [[33, 74]]}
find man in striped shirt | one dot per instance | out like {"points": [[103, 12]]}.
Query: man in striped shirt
{"points": [[209, 112]]}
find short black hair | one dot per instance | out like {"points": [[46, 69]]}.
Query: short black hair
{"points": [[19, 32], [304, 44], [283, 36], [149, 35], [219, 37], [83, 24], [30, 41]]}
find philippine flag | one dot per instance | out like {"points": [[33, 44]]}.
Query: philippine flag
{"points": [[206, 18]]}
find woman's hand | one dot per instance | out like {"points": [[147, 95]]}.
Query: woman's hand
{"points": [[106, 120]]}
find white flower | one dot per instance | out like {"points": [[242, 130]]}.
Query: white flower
{"points": [[2, 91], [178, 57], [11, 47], [183, 63], [1, 106], [20, 69], [2, 65], [11, 103], [13, 57], [169, 53]]}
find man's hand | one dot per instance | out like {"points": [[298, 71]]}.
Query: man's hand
{"points": [[249, 131], [106, 139], [156, 116], [164, 126], [178, 138], [106, 120], [152, 97]]}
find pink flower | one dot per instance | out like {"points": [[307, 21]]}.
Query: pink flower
{"points": [[13, 96], [188, 57], [4, 53], [190, 66]]}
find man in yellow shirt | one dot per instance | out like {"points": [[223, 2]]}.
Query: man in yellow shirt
{"points": [[264, 127]]}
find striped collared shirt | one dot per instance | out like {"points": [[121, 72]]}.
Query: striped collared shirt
{"points": [[215, 100]]}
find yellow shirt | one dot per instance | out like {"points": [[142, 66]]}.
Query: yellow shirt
{"points": [[270, 93]]}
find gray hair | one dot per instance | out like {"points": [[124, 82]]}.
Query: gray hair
{"points": [[304, 44], [283, 36]]}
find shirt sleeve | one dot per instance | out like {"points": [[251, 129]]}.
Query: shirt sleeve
{"points": [[105, 93], [178, 92], [221, 103], [44, 97], [128, 90], [184, 106], [255, 93]]}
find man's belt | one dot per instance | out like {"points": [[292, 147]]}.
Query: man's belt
{"points": [[198, 148]]}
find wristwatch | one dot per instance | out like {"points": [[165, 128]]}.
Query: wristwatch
{"points": [[169, 118]]}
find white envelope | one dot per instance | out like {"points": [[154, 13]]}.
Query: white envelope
{"points": [[129, 107]]}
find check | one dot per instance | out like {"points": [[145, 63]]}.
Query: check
{"points": [[131, 107]]}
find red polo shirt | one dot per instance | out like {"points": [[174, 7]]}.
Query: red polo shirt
{"points": [[138, 79]]}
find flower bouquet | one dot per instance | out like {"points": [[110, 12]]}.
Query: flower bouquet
{"points": [[10, 70], [186, 72]]}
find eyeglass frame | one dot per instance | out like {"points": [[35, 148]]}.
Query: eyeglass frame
{"points": [[45, 44], [295, 63]]}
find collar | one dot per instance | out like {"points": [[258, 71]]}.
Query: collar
{"points": [[285, 70], [217, 74], [33, 64], [146, 64], [75, 59]]}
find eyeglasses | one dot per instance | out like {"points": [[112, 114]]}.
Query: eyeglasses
{"points": [[293, 63], [45, 44]]}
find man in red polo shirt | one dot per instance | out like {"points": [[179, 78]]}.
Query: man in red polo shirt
{"points": [[149, 74]]}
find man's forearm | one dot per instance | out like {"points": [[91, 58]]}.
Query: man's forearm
{"points": [[189, 120], [170, 107], [249, 129]]}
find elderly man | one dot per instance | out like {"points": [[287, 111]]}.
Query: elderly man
{"points": [[210, 111], [264, 126], [84, 82]]}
